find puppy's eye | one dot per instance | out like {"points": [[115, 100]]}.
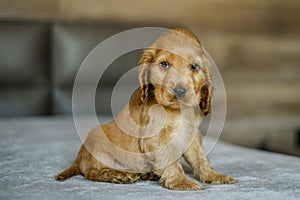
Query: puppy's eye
{"points": [[195, 67], [164, 65]]}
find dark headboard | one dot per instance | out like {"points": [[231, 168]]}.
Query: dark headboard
{"points": [[39, 62]]}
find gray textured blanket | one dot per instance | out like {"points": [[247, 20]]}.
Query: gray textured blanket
{"points": [[33, 150]]}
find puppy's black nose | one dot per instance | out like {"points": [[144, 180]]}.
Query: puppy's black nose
{"points": [[179, 92]]}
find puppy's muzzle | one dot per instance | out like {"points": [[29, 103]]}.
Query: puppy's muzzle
{"points": [[179, 92]]}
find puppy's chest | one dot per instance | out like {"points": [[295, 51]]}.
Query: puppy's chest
{"points": [[176, 131]]}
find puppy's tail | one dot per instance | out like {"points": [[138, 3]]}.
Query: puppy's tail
{"points": [[71, 171]]}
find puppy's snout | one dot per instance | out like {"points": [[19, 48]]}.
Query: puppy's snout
{"points": [[179, 92]]}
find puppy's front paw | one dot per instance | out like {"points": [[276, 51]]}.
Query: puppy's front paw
{"points": [[216, 178], [184, 184]]}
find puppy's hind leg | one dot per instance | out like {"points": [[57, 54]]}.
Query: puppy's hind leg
{"points": [[111, 175], [151, 176], [71, 171]]}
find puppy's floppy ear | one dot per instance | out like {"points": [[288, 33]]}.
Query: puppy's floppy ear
{"points": [[144, 73], [205, 102], [206, 91]]}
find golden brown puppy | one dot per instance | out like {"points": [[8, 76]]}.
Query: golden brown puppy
{"points": [[159, 124]]}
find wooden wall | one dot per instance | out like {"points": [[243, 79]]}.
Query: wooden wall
{"points": [[274, 16], [255, 43]]}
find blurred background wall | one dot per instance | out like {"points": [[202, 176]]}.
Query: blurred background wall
{"points": [[255, 44]]}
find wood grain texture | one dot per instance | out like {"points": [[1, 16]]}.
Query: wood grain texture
{"points": [[251, 15], [256, 44]]}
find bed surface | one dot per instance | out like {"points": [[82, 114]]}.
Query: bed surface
{"points": [[34, 150]]}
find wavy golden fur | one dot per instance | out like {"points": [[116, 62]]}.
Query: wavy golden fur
{"points": [[159, 124]]}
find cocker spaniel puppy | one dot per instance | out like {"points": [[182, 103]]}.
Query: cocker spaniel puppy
{"points": [[159, 124]]}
